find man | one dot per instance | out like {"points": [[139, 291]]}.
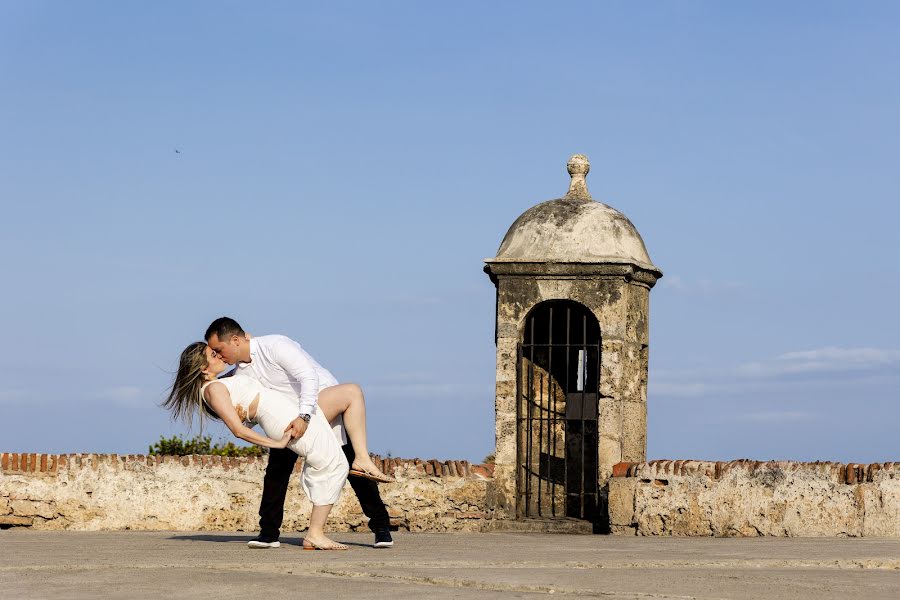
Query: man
{"points": [[280, 363]]}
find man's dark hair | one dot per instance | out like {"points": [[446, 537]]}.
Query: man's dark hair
{"points": [[223, 328]]}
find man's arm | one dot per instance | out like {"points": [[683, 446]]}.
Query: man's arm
{"points": [[297, 365]]}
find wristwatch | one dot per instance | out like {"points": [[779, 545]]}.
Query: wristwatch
{"points": [[306, 417]]}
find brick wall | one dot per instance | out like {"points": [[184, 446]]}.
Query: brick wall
{"points": [[752, 498], [110, 491]]}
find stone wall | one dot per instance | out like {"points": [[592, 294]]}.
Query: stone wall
{"points": [[749, 498], [682, 498], [197, 493]]}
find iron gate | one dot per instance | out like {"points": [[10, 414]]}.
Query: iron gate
{"points": [[557, 412]]}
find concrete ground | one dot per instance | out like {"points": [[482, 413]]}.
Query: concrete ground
{"points": [[38, 564]]}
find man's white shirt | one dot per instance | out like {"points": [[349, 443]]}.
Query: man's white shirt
{"points": [[279, 363]]}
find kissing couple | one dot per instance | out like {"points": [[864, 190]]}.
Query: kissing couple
{"points": [[303, 411]]}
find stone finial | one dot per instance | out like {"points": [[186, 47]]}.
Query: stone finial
{"points": [[578, 167]]}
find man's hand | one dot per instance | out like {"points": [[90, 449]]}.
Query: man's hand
{"points": [[297, 428]]}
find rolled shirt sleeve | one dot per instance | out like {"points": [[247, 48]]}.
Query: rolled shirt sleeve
{"points": [[299, 367]]}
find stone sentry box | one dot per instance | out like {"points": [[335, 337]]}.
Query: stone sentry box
{"points": [[573, 281]]}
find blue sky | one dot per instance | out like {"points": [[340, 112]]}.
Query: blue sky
{"points": [[344, 169]]}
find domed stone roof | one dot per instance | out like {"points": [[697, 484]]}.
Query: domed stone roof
{"points": [[574, 229]]}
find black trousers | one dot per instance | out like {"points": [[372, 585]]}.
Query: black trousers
{"points": [[275, 486]]}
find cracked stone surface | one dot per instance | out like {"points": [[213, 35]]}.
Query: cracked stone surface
{"points": [[77, 564]]}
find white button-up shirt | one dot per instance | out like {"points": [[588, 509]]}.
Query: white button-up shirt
{"points": [[279, 363]]}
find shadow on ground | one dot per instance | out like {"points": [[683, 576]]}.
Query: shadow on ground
{"points": [[243, 539]]}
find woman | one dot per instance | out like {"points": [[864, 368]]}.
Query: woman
{"points": [[240, 401]]}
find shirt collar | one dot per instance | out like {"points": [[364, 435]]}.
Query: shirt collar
{"points": [[254, 350]]}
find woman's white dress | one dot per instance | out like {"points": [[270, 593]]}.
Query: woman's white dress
{"points": [[325, 467]]}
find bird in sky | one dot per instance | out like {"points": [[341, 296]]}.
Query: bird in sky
{"points": [[177, 151]]}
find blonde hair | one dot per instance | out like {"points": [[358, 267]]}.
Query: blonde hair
{"points": [[184, 397]]}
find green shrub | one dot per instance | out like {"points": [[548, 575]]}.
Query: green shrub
{"points": [[201, 444]]}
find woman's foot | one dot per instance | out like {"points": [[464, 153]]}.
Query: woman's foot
{"points": [[322, 543], [368, 470]]}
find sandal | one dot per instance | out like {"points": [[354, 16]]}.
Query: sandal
{"points": [[310, 545], [372, 475]]}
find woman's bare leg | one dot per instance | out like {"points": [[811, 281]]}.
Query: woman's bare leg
{"points": [[335, 400], [315, 537], [348, 399]]}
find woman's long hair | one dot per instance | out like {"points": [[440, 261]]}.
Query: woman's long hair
{"points": [[184, 397]]}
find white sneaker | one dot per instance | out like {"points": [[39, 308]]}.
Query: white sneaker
{"points": [[262, 543]]}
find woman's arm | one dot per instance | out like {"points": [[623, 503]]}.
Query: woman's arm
{"points": [[219, 399]]}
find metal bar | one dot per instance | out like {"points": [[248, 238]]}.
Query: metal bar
{"points": [[549, 395], [565, 507], [519, 395], [596, 448], [584, 340], [555, 425], [528, 427], [537, 476]]}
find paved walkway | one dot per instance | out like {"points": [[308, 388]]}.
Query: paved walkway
{"points": [[56, 565]]}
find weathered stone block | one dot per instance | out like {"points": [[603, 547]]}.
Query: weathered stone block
{"points": [[633, 374], [610, 454], [634, 434], [637, 327], [507, 329], [623, 530], [610, 306], [241, 488], [881, 507], [611, 417], [30, 508], [611, 369], [505, 453], [555, 289], [506, 427], [13, 521], [621, 501]]}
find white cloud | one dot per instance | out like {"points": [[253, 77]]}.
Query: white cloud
{"points": [[673, 281], [806, 368], [776, 416], [128, 395], [868, 357], [830, 359]]}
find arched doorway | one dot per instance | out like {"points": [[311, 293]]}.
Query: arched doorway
{"points": [[557, 412]]}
